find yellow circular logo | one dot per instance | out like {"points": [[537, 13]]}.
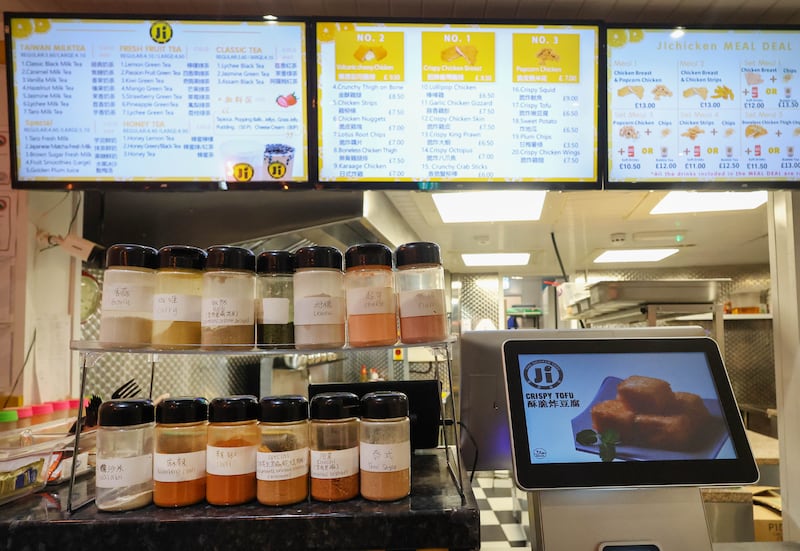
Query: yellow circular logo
{"points": [[243, 172], [161, 32], [276, 170]]}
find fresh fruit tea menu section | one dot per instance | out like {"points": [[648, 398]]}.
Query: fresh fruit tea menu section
{"points": [[131, 100], [424, 102], [708, 106]]}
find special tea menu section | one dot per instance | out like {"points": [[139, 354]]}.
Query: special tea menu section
{"points": [[707, 106], [129, 100], [470, 103]]}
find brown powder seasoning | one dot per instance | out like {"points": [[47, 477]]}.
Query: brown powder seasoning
{"points": [[334, 446]]}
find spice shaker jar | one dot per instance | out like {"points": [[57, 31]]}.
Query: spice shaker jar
{"points": [[179, 464], [233, 439], [126, 315], [385, 446], [124, 467], [283, 456], [319, 305], [177, 299], [420, 291], [370, 294], [274, 299], [229, 291], [334, 446]]}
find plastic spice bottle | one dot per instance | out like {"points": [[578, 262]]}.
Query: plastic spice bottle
{"points": [[126, 315], [42, 413], [369, 289], [177, 299], [283, 456], [274, 300], [420, 291], [385, 446], [8, 419], [25, 414], [229, 291], [334, 446], [233, 440], [124, 477], [319, 305], [179, 464]]}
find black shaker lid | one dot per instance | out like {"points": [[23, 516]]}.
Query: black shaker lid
{"points": [[138, 256], [275, 262], [182, 410], [227, 257], [125, 412], [422, 252], [283, 409], [334, 405], [368, 254], [384, 404], [319, 257], [181, 256], [230, 409]]}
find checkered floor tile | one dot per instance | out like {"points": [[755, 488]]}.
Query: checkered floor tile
{"points": [[504, 511]]}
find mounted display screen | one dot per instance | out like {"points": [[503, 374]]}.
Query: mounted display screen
{"points": [[703, 108], [623, 412], [111, 102], [457, 103]]}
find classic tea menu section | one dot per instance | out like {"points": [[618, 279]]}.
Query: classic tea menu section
{"points": [[429, 102], [159, 100], [707, 106]]}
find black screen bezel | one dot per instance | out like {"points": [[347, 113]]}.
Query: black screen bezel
{"points": [[696, 185], [155, 184], [740, 470]]}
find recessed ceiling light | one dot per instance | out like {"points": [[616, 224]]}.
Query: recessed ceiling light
{"points": [[270, 18], [676, 202], [677, 33], [634, 255], [490, 206], [496, 259]]}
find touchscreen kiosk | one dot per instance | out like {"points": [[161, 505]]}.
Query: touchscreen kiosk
{"points": [[592, 418]]}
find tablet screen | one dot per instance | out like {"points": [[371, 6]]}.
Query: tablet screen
{"points": [[623, 412]]}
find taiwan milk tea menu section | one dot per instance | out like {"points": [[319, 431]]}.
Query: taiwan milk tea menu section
{"points": [[710, 106], [421, 102], [123, 100]]}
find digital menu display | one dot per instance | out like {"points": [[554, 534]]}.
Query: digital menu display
{"points": [[419, 102], [122, 100], [709, 106]]}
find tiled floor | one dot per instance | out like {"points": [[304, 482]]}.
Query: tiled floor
{"points": [[503, 511]]}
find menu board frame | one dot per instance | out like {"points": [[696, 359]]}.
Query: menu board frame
{"points": [[187, 184], [723, 183], [389, 183]]}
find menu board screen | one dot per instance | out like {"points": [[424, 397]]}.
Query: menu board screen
{"points": [[422, 102], [121, 101], [713, 107]]}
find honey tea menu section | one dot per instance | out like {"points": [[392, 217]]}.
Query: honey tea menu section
{"points": [[707, 106], [133, 100], [469, 103]]}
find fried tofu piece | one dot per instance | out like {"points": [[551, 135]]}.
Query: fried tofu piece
{"points": [[646, 394], [613, 415], [692, 405], [671, 432]]}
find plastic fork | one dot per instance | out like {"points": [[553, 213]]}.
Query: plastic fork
{"points": [[128, 389]]}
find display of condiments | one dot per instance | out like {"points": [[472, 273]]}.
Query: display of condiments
{"points": [[127, 304], [275, 299], [229, 290], [179, 463], [233, 441], [420, 291], [319, 302], [283, 456], [370, 294], [177, 298], [385, 446], [124, 478], [334, 446]]}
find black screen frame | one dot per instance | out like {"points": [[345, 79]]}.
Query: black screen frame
{"points": [[155, 184], [741, 470], [704, 185]]}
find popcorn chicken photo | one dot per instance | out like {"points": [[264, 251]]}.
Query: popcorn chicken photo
{"points": [[547, 54], [661, 91], [629, 132]]}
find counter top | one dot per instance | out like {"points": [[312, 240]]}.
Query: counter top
{"points": [[435, 515], [765, 448]]}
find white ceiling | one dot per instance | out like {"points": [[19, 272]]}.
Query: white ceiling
{"points": [[582, 222]]}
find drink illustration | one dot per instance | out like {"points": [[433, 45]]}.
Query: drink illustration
{"points": [[278, 161]]}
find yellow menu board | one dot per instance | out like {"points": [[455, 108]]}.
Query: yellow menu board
{"points": [[369, 56], [546, 57], [457, 57]]}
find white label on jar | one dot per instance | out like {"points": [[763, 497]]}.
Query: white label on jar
{"points": [[179, 467], [127, 298], [335, 463], [422, 303], [385, 458], [231, 461], [119, 472], [175, 307], [273, 311], [370, 300], [227, 311], [282, 465], [324, 310]]}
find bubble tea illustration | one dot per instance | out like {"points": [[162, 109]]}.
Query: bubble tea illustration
{"points": [[278, 161]]}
